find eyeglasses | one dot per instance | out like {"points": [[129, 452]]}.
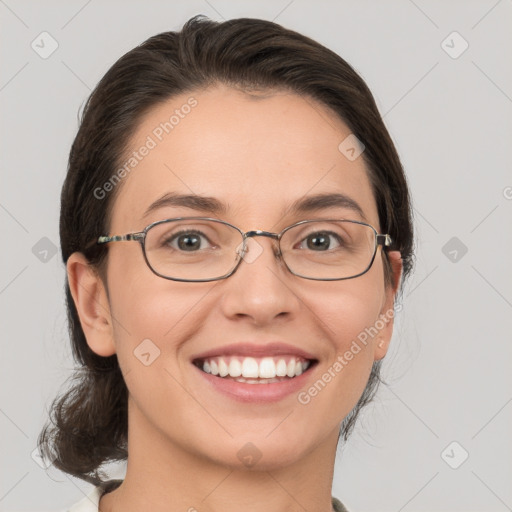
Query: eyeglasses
{"points": [[198, 249]]}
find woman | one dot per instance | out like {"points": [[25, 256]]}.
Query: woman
{"points": [[236, 227]]}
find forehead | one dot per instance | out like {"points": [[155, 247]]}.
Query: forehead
{"points": [[257, 153]]}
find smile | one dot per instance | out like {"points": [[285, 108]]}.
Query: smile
{"points": [[238, 370], [254, 370]]}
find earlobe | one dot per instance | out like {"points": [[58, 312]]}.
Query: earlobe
{"points": [[91, 301], [387, 313]]}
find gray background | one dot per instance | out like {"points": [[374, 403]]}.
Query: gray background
{"points": [[448, 369]]}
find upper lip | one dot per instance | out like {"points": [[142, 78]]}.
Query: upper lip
{"points": [[255, 350]]}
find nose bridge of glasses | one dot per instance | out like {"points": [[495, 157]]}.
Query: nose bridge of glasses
{"points": [[258, 232]]}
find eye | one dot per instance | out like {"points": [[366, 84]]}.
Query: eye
{"points": [[187, 240], [322, 241]]}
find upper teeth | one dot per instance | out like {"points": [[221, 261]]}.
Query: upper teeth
{"points": [[250, 367]]}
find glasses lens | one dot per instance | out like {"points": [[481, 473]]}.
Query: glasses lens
{"points": [[328, 249], [192, 249]]}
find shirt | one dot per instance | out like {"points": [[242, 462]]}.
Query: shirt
{"points": [[90, 503]]}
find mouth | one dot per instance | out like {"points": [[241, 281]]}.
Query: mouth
{"points": [[249, 372], [255, 370]]}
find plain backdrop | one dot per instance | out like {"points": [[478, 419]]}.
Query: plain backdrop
{"points": [[437, 437]]}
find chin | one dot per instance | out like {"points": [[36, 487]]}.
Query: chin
{"points": [[260, 452]]}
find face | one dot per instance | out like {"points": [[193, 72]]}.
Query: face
{"points": [[256, 155]]}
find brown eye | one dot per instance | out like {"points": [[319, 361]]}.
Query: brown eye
{"points": [[189, 241], [322, 241]]}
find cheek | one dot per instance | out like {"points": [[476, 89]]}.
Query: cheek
{"points": [[153, 320], [352, 343], [151, 314], [348, 311], [163, 315]]}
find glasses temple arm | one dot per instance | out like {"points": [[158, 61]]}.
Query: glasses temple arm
{"points": [[120, 238]]}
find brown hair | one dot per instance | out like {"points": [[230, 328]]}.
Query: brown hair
{"points": [[88, 424]]}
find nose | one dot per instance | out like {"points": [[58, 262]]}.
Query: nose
{"points": [[261, 289]]}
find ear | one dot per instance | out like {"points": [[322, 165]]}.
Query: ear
{"points": [[387, 312], [92, 304]]}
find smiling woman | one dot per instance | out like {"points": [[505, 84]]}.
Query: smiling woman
{"points": [[251, 258]]}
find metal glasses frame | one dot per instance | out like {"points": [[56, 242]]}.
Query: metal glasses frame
{"points": [[380, 239]]}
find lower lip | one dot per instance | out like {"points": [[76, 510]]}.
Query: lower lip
{"points": [[262, 393]]}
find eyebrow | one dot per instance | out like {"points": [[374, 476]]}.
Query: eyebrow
{"points": [[212, 205], [317, 202], [204, 204]]}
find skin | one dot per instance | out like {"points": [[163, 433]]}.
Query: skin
{"points": [[258, 154]]}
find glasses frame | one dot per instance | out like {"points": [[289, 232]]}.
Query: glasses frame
{"points": [[383, 240]]}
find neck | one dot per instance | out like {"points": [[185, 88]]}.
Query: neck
{"points": [[164, 476]]}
